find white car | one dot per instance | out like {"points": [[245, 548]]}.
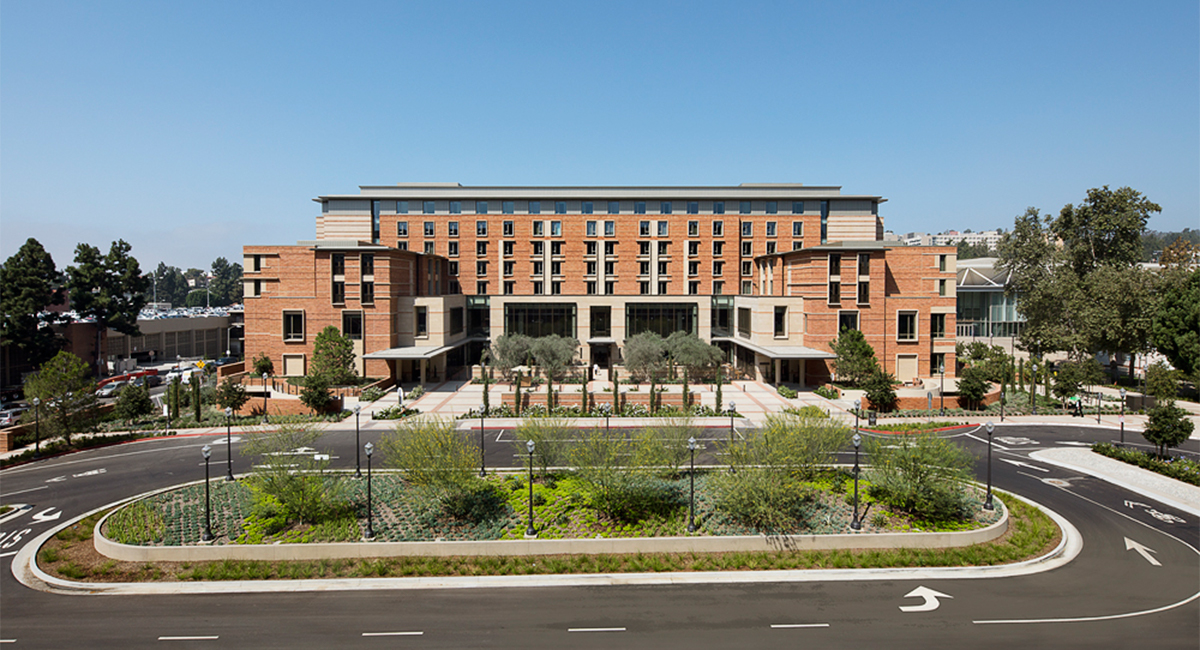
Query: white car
{"points": [[111, 389]]}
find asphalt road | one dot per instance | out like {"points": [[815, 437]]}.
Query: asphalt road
{"points": [[1108, 597]]}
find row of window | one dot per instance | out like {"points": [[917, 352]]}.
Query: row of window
{"points": [[645, 228], [591, 248], [614, 207]]}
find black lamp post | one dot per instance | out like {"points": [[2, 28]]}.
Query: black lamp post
{"points": [[987, 504], [1097, 406], [228, 443], [855, 524], [942, 389], [370, 534], [482, 466], [357, 457], [1122, 416], [691, 528], [732, 410], [530, 531], [37, 428], [1001, 402], [857, 410], [207, 535]]}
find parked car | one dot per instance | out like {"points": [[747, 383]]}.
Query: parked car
{"points": [[111, 389], [149, 381], [9, 417]]}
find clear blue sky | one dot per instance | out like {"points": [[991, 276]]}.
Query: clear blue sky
{"points": [[192, 128]]}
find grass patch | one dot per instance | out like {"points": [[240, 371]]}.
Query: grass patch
{"points": [[914, 427]]}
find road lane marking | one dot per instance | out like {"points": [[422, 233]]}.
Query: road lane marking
{"points": [[984, 441], [189, 638], [9, 553], [9, 494], [595, 629], [930, 597], [790, 626], [1020, 464], [418, 633], [1142, 550]]}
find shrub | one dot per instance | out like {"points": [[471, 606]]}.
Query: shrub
{"points": [[263, 365], [922, 474], [826, 392], [764, 499], [664, 444], [550, 436], [333, 358], [315, 394], [299, 483], [786, 392], [616, 483], [371, 394], [133, 403], [430, 452], [416, 393], [809, 411], [1167, 427], [880, 391], [1181, 469], [855, 357], [475, 501]]}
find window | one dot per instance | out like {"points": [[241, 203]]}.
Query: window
{"points": [[560, 207], [639, 207], [401, 245], [610, 248], [835, 264], [610, 287], [556, 248], [507, 207], [352, 325], [644, 288], [937, 363], [644, 228], [662, 268], [662, 228], [693, 248], [770, 248], [590, 288], [942, 287], [508, 268], [693, 288], [510, 288], [453, 268], [401, 207], [797, 228], [429, 229], [452, 248], [293, 326], [937, 326], [824, 221], [480, 268], [662, 288], [338, 261], [538, 268], [366, 264], [508, 249], [481, 229], [693, 229], [772, 207], [693, 207], [847, 320], [718, 268], [556, 288], [643, 268], [718, 207], [747, 249], [906, 326], [610, 268], [797, 245], [591, 229], [590, 248], [610, 228], [452, 228], [718, 229], [537, 288], [535, 207], [747, 287], [427, 207], [591, 268], [507, 229], [374, 222], [743, 322], [481, 288], [747, 268], [457, 321], [537, 248], [367, 293], [663, 247], [587, 207], [456, 207], [257, 264], [770, 228], [614, 207], [693, 268], [747, 229], [942, 263], [429, 248], [556, 229], [338, 292], [538, 228], [643, 248], [797, 207], [835, 292], [555, 268], [780, 321], [481, 207], [718, 248], [864, 264], [664, 207], [864, 292], [718, 288], [401, 228], [481, 248], [744, 207]]}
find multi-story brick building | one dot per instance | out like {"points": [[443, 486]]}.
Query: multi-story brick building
{"points": [[423, 276]]}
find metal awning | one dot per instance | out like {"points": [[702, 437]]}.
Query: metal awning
{"points": [[779, 351], [601, 340], [421, 351]]}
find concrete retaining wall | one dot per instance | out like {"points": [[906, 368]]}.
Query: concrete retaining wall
{"points": [[276, 552]]}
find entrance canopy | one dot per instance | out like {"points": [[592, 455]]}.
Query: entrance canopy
{"points": [[779, 351], [419, 351]]}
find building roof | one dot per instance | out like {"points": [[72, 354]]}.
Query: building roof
{"points": [[421, 351], [980, 274], [779, 351], [433, 191]]}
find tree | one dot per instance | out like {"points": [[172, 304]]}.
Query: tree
{"points": [[644, 354], [968, 251], [1167, 427], [133, 402], [855, 357], [167, 285], [31, 283], [333, 357], [687, 350], [315, 394], [554, 354], [1161, 382], [1074, 375], [1119, 309], [263, 365], [1105, 229], [226, 284], [67, 392], [1175, 326], [232, 394], [108, 288], [1029, 257], [510, 351], [880, 390], [973, 384]]}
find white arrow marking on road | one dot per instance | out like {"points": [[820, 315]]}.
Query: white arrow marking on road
{"points": [[1142, 550], [56, 479], [1020, 464], [931, 600], [92, 472], [46, 516], [1074, 443], [1136, 504]]}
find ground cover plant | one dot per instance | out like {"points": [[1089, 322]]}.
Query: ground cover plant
{"points": [[1182, 469]]}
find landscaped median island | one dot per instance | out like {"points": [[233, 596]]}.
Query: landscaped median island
{"points": [[625, 504]]}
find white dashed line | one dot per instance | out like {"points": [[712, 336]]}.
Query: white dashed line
{"points": [[792, 626], [595, 629], [393, 633], [189, 638]]}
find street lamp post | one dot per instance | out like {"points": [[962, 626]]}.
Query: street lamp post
{"points": [[370, 534], [942, 390], [530, 531], [37, 428], [1122, 416], [357, 457], [857, 410], [482, 466], [987, 504], [265, 393], [1002, 402], [855, 524], [207, 535], [732, 410], [1097, 406], [228, 443], [691, 528]]}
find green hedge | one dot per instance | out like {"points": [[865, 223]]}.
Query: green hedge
{"points": [[1180, 469]]}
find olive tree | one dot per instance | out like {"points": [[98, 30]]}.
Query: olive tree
{"points": [[67, 393]]}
